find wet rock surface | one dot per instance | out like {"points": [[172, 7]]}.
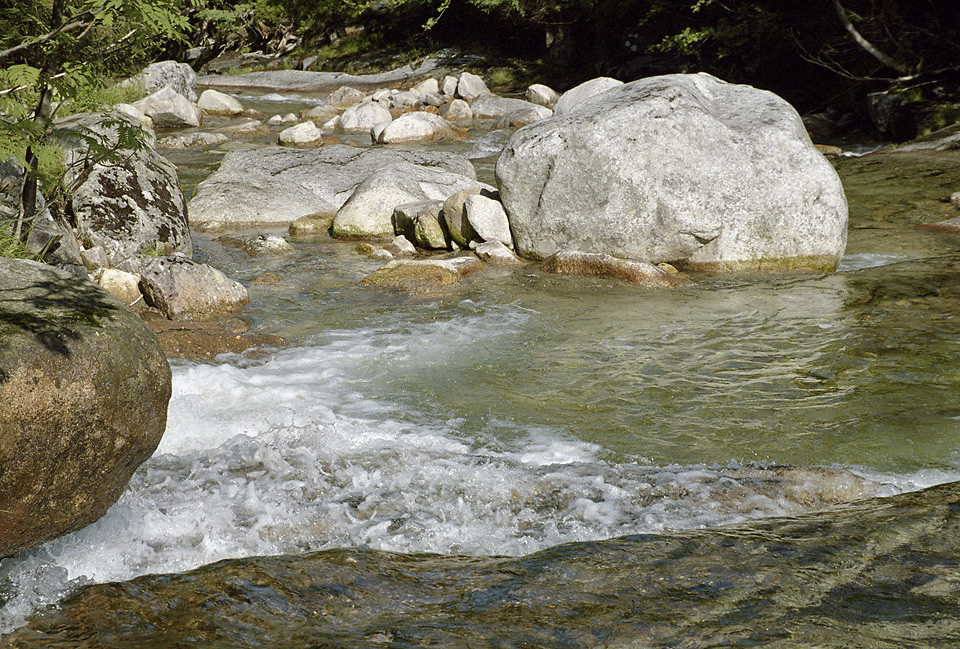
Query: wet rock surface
{"points": [[823, 579]]}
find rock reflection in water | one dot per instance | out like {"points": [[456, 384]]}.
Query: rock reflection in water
{"points": [[877, 573]]}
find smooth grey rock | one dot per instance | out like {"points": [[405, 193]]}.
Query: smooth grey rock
{"points": [[572, 98], [422, 223], [136, 113], [955, 198], [471, 86], [321, 113], [455, 218], [214, 102], [448, 86], [84, 389], [401, 247], [494, 252], [280, 185], [169, 109], [178, 76], [678, 168], [125, 204], [345, 96], [402, 100], [305, 134], [523, 116], [488, 219], [426, 87], [415, 126], [542, 95], [381, 255], [369, 210], [186, 140], [496, 106], [457, 110], [186, 290], [363, 116]]}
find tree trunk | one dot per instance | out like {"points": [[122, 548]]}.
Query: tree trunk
{"points": [[43, 115]]}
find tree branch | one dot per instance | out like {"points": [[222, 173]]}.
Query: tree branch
{"points": [[865, 44], [70, 27]]}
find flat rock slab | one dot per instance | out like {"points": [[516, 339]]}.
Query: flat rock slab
{"points": [[304, 81], [278, 185]]}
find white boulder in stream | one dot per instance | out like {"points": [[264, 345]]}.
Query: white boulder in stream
{"points": [[412, 127], [214, 102], [685, 169]]}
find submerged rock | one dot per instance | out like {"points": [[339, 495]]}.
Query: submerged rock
{"points": [[678, 168], [260, 245], [197, 138], [417, 276], [571, 262], [84, 387], [204, 341]]}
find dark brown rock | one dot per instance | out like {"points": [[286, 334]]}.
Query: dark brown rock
{"points": [[84, 388]]}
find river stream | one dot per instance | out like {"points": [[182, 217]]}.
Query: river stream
{"points": [[530, 460]]}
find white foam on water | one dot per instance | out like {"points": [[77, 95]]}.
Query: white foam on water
{"points": [[302, 452]]}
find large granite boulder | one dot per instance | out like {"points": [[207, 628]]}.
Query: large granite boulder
{"points": [[279, 185], [178, 76], [369, 210], [125, 203], [84, 388], [686, 169]]}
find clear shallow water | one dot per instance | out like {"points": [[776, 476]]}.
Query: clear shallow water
{"points": [[519, 411]]}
